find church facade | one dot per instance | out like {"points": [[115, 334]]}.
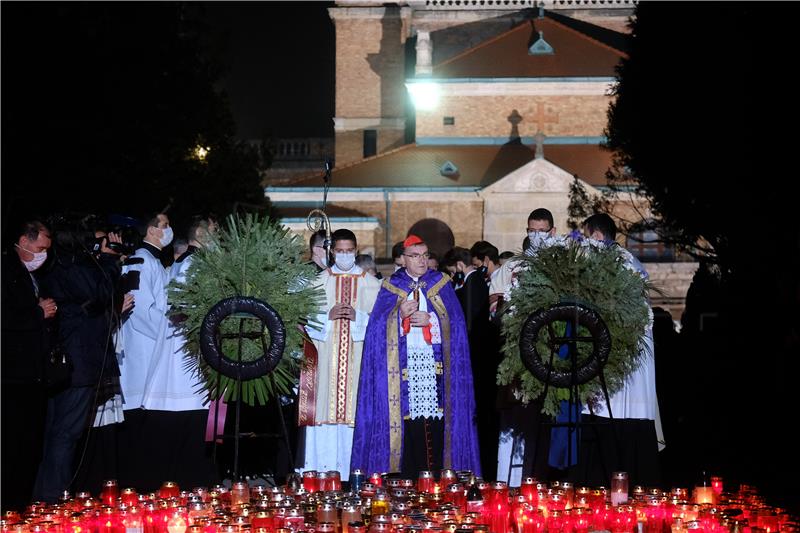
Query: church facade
{"points": [[454, 119]]}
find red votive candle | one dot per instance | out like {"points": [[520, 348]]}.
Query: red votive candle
{"points": [[169, 489], [310, 480], [109, 492], [425, 481]]}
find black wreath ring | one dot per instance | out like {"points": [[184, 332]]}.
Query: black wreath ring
{"points": [[571, 312], [244, 370]]}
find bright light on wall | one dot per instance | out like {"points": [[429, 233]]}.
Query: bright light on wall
{"points": [[425, 95]]}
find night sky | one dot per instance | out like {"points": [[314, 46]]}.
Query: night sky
{"points": [[281, 58]]}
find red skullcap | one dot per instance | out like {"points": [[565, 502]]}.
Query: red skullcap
{"points": [[411, 240]]}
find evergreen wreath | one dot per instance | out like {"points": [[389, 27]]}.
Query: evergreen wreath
{"points": [[251, 257], [585, 272]]}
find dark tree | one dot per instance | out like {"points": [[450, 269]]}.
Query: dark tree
{"points": [[681, 120], [105, 104], [684, 127]]}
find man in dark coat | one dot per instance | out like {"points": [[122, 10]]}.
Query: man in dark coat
{"points": [[83, 285], [24, 346], [473, 295]]}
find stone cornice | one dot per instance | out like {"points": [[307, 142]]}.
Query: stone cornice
{"points": [[356, 12], [530, 87], [360, 123]]}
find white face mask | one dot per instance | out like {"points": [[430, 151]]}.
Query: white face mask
{"points": [[38, 259], [320, 257], [537, 239], [345, 261], [166, 236]]}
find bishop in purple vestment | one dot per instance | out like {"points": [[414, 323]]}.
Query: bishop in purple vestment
{"points": [[416, 404]]}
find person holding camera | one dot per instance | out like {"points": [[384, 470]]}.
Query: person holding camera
{"points": [[83, 284]]}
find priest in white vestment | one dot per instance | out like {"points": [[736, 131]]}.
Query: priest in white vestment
{"points": [[163, 433], [329, 379]]}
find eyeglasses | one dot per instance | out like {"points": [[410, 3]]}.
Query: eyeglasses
{"points": [[415, 257]]}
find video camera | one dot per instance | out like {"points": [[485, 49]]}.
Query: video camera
{"points": [[130, 240]]}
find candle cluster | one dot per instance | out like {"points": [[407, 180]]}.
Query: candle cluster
{"points": [[452, 502]]}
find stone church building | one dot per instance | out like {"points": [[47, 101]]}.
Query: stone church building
{"points": [[456, 118]]}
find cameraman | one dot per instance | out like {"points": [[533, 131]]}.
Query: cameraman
{"points": [[82, 282]]}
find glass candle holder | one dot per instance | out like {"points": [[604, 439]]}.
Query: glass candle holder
{"points": [[240, 493], [425, 481], [619, 488], [716, 484], [326, 512], [169, 489], [110, 492], [351, 514]]}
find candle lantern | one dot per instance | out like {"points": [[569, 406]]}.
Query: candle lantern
{"points": [[326, 512], [169, 489], [448, 477], [528, 489], [240, 493], [703, 494], [554, 522], [680, 494], [425, 481], [263, 519], [178, 520], [456, 495], [583, 497], [128, 497], [380, 504], [582, 519], [350, 514], [619, 488], [569, 494], [310, 480], [334, 480], [132, 520], [109, 492], [376, 479], [108, 521], [368, 490], [357, 527], [716, 485], [294, 519]]}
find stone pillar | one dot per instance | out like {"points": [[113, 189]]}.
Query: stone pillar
{"points": [[424, 54]]}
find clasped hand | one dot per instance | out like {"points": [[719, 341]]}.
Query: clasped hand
{"points": [[342, 310], [418, 318]]}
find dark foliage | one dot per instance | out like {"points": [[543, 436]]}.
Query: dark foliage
{"points": [[687, 126], [104, 103]]}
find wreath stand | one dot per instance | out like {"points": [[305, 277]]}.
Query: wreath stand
{"points": [[575, 315], [243, 309]]}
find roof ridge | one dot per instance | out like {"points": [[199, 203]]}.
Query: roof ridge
{"points": [[530, 22], [305, 177], [587, 37], [482, 44]]}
